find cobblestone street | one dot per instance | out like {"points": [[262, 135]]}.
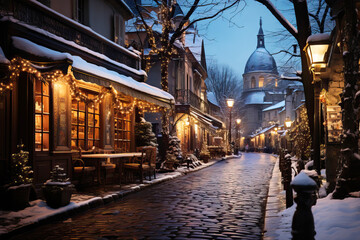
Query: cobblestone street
{"points": [[224, 201]]}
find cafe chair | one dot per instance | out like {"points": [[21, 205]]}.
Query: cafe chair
{"points": [[107, 168], [139, 166], [80, 171], [149, 160]]}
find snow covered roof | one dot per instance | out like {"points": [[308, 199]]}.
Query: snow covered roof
{"points": [[194, 42], [255, 98], [81, 48], [261, 61], [275, 106], [3, 59], [265, 130], [140, 89], [212, 98]]}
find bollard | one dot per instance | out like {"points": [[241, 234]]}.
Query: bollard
{"points": [[287, 180], [303, 219]]}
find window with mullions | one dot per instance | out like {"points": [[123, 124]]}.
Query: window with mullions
{"points": [[42, 115], [85, 124], [122, 131]]}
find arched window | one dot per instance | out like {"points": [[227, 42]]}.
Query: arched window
{"points": [[253, 82], [261, 81]]}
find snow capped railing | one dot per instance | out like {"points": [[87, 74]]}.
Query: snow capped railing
{"points": [[40, 16]]}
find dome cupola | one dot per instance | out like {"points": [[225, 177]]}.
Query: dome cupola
{"points": [[261, 60]]}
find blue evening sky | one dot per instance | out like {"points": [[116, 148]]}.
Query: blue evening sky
{"points": [[232, 45]]}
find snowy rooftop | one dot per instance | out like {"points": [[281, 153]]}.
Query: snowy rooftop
{"points": [[261, 61], [81, 64], [212, 98], [255, 98], [275, 106], [194, 43]]}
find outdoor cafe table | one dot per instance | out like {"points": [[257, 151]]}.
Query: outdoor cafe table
{"points": [[100, 156]]}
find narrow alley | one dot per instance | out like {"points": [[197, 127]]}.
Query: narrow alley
{"points": [[224, 201]]}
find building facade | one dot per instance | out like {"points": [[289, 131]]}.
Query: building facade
{"points": [[194, 122], [68, 82], [261, 88]]}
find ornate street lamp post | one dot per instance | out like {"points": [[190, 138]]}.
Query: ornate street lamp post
{"points": [[287, 127], [230, 104], [238, 121], [316, 47]]}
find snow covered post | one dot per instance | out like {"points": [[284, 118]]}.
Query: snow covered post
{"points": [[303, 220], [287, 179]]}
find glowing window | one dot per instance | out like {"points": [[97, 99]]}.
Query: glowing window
{"points": [[122, 131], [42, 115], [261, 81]]}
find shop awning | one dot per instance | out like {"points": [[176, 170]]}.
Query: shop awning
{"points": [[263, 131], [208, 120], [89, 72]]}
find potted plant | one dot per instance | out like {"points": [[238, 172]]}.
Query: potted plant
{"points": [[18, 192], [58, 189]]}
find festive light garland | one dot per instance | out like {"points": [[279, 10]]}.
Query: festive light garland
{"points": [[18, 65]]}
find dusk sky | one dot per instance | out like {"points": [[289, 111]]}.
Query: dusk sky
{"points": [[232, 45]]}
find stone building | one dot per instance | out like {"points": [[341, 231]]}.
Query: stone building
{"points": [[262, 88]]}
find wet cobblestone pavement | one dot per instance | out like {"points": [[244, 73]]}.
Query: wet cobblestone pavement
{"points": [[224, 201]]}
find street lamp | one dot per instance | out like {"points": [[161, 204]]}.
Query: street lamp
{"points": [[316, 48], [287, 123], [230, 104], [238, 121]]}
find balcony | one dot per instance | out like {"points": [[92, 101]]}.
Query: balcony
{"points": [[187, 97], [40, 18]]}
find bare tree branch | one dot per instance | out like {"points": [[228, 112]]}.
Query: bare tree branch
{"points": [[286, 24]]}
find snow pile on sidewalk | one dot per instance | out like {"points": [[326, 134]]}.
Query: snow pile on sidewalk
{"points": [[334, 219]]}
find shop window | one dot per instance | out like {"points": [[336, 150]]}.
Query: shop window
{"points": [[85, 124], [122, 131], [42, 115]]}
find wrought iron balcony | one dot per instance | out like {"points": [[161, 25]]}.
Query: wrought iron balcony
{"points": [[32, 14], [187, 97]]}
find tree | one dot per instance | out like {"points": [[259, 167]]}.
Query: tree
{"points": [[224, 83], [163, 29]]}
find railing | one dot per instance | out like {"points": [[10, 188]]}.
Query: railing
{"points": [[188, 97], [32, 14]]}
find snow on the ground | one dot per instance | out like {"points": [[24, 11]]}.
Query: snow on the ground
{"points": [[334, 219], [38, 210]]}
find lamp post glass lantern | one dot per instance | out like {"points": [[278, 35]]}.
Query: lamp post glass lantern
{"points": [[316, 50], [287, 123], [230, 104]]}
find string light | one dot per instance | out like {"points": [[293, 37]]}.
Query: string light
{"points": [[121, 102]]}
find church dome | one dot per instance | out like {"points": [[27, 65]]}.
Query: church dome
{"points": [[261, 61]]}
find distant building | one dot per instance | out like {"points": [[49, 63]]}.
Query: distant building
{"points": [[261, 89]]}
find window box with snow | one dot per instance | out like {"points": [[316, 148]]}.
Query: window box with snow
{"points": [[58, 189]]}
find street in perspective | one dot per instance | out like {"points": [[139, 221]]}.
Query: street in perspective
{"points": [[180, 119], [224, 201]]}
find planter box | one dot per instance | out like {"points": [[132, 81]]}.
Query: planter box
{"points": [[57, 195], [18, 196]]}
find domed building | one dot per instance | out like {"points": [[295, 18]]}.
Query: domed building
{"points": [[260, 89]]}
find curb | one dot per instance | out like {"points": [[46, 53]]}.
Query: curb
{"points": [[101, 201], [275, 203]]}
